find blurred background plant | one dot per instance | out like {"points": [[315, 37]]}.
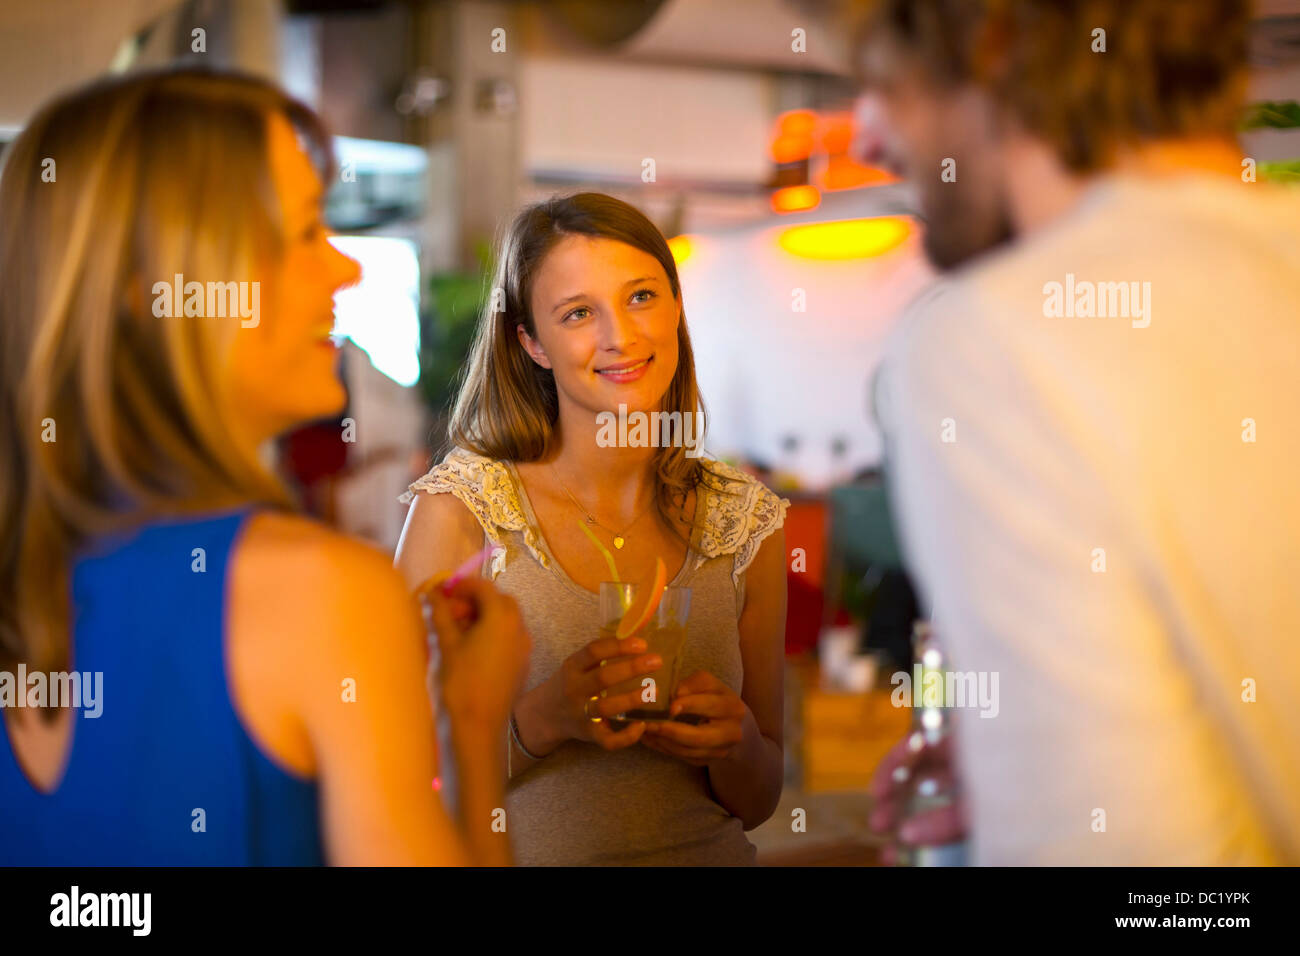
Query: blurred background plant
{"points": [[1275, 114], [456, 299]]}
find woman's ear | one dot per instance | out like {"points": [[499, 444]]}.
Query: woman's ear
{"points": [[532, 346]]}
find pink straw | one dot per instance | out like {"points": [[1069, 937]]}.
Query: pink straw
{"points": [[470, 565]]}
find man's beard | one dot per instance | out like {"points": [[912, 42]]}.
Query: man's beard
{"points": [[956, 233]]}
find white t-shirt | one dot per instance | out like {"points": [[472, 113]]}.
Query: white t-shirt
{"points": [[1104, 510]]}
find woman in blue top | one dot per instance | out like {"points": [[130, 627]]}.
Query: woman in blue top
{"points": [[249, 687]]}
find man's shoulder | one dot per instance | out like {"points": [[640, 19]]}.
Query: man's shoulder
{"points": [[1004, 297], [938, 325]]}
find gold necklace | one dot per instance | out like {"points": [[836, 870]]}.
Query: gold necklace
{"points": [[620, 538]]}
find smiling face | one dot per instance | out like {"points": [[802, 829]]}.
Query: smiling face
{"points": [[945, 145], [605, 321], [943, 138], [284, 367]]}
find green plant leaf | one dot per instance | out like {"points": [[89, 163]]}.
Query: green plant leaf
{"points": [[1272, 114], [1286, 171]]}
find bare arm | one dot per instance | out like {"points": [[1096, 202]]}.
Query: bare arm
{"points": [[379, 754], [326, 658], [748, 783], [439, 534], [483, 666]]}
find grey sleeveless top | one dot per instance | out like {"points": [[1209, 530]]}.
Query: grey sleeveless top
{"points": [[582, 805]]}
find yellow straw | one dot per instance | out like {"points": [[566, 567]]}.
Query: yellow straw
{"points": [[609, 558]]}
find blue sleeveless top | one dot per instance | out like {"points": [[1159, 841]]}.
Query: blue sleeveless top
{"points": [[166, 774]]}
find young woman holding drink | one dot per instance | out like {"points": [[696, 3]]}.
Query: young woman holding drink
{"points": [[263, 697], [586, 321]]}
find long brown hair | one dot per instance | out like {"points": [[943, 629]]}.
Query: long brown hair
{"points": [[109, 414], [507, 405]]}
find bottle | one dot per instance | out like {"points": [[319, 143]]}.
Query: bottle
{"points": [[927, 789], [835, 650]]}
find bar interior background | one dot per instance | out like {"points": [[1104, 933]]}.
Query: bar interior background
{"points": [[755, 183]]}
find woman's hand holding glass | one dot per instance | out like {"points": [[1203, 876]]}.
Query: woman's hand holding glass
{"points": [[716, 738], [578, 704]]}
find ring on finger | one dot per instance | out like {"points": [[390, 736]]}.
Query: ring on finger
{"points": [[586, 710]]}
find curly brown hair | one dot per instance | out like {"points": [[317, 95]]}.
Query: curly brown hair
{"points": [[1169, 69]]}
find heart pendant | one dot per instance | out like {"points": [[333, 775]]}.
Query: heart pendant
{"points": [[618, 542]]}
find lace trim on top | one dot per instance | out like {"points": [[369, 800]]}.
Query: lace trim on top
{"points": [[739, 518], [484, 487], [733, 521]]}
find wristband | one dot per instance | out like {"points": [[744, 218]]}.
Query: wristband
{"points": [[514, 734]]}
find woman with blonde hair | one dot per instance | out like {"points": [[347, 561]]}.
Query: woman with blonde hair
{"points": [[166, 289], [585, 324]]}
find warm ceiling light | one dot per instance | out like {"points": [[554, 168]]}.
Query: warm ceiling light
{"points": [[841, 172], [791, 149], [794, 136], [681, 247], [846, 239], [796, 198], [837, 133], [796, 123]]}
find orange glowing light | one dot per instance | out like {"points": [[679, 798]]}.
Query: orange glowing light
{"points": [[846, 239], [791, 149], [837, 133], [796, 123], [681, 247], [794, 136], [796, 198], [843, 172]]}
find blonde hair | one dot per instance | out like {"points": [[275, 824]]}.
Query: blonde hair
{"points": [[109, 414], [507, 405]]}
